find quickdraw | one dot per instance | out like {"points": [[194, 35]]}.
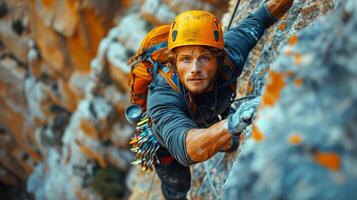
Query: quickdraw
{"points": [[145, 145]]}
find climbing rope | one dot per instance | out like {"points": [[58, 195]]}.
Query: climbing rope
{"points": [[249, 97], [213, 189], [151, 185], [233, 14]]}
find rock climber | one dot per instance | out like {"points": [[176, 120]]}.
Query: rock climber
{"points": [[192, 125]]}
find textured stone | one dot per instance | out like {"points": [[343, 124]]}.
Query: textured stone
{"points": [[130, 34], [16, 19], [42, 80], [16, 151], [307, 149], [118, 68], [63, 86], [179, 6], [156, 12], [67, 33]]}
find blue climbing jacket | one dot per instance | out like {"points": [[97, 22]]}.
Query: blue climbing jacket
{"points": [[170, 112]]}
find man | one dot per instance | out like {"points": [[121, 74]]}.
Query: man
{"points": [[187, 123]]}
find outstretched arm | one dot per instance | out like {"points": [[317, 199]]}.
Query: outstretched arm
{"points": [[201, 144], [240, 39]]}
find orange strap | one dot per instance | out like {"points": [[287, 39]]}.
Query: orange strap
{"points": [[169, 80]]}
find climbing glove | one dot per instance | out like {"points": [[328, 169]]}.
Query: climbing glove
{"points": [[242, 117]]}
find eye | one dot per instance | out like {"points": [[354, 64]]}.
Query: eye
{"points": [[185, 59], [204, 58]]}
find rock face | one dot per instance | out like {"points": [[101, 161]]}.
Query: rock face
{"points": [[45, 52], [63, 132], [303, 142], [63, 91], [17, 154]]}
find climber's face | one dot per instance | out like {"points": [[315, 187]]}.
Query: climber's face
{"points": [[196, 67]]}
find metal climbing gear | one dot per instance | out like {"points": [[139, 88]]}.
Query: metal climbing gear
{"points": [[144, 144], [133, 113]]}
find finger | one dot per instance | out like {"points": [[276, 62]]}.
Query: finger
{"points": [[241, 126], [247, 115]]}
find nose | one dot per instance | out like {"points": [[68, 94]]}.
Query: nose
{"points": [[196, 67]]}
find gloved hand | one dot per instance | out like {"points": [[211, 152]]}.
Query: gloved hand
{"points": [[242, 117], [278, 8]]}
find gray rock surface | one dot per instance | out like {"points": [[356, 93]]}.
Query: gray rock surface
{"points": [[303, 141], [63, 127]]}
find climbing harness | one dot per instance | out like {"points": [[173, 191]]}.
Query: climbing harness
{"points": [[144, 144]]}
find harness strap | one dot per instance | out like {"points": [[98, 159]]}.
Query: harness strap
{"points": [[169, 80], [155, 48], [154, 72]]}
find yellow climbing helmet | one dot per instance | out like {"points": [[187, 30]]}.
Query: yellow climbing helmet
{"points": [[195, 27]]}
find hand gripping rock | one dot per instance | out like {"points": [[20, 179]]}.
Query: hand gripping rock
{"points": [[242, 117]]}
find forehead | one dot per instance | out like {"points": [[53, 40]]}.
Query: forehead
{"points": [[193, 49]]}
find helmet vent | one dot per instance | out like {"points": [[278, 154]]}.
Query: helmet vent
{"points": [[173, 25], [216, 35], [215, 21], [174, 35]]}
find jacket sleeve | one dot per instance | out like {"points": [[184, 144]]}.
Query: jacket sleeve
{"points": [[170, 121], [240, 40]]}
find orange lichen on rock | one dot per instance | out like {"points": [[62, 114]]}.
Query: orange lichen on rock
{"points": [[298, 82], [83, 48], [48, 4], [284, 16], [295, 139], [282, 26], [297, 58], [70, 95], [293, 40], [46, 39], [92, 154], [250, 89], [244, 88], [257, 135], [329, 160], [3, 88], [89, 129], [290, 74], [289, 52], [273, 88]]}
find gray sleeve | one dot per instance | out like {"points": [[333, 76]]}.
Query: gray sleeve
{"points": [[240, 40], [168, 112]]}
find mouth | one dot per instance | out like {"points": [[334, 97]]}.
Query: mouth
{"points": [[194, 80]]}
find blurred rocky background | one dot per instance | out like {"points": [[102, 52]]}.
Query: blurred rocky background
{"points": [[63, 90]]}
